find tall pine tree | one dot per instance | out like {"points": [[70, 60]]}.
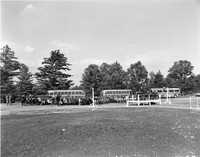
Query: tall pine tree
{"points": [[24, 85], [54, 72], [9, 69]]}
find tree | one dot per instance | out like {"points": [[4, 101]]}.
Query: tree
{"points": [[9, 70], [151, 79], [181, 70], [118, 76], [196, 83], [156, 80], [106, 76], [137, 77], [54, 72], [76, 87], [179, 74], [91, 78], [113, 76], [24, 85]]}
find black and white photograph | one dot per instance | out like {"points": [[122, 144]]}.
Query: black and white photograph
{"points": [[100, 78]]}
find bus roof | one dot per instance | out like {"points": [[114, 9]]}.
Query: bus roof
{"points": [[117, 90], [70, 90]]}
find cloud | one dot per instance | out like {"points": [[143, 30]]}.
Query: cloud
{"points": [[67, 47], [28, 49], [29, 8]]}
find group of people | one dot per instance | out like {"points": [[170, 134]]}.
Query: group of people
{"points": [[7, 99], [44, 100], [40, 100]]}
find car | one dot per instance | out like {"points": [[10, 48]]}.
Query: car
{"points": [[197, 94]]}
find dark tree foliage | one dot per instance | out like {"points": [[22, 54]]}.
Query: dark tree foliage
{"points": [[196, 83], [105, 70], [137, 77], [24, 85], [113, 76], [151, 79], [156, 80], [181, 70], [91, 78], [118, 76], [170, 82], [76, 88], [180, 75], [9, 70], [188, 84], [54, 72]]}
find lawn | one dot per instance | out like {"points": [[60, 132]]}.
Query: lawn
{"points": [[121, 132]]}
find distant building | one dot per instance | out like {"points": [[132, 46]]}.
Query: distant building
{"points": [[117, 94], [163, 92], [67, 93]]}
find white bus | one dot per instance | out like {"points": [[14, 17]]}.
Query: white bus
{"points": [[163, 92], [117, 94], [67, 93]]}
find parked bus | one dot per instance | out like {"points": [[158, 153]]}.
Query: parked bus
{"points": [[163, 92], [76, 94], [116, 94]]}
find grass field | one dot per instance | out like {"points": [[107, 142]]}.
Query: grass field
{"points": [[108, 132]]}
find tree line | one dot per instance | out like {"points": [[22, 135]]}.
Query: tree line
{"points": [[16, 79], [137, 78]]}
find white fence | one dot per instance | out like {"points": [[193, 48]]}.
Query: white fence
{"points": [[186, 102], [139, 101], [194, 102]]}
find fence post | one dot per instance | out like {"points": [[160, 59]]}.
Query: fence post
{"points": [[93, 97], [138, 99], [149, 100], [190, 102], [79, 101], [160, 99], [127, 101], [167, 95]]}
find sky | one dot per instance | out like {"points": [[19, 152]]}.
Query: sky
{"points": [[156, 32]]}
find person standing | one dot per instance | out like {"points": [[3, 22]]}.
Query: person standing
{"points": [[58, 99], [7, 99], [23, 100]]}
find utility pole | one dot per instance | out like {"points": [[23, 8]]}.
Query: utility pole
{"points": [[167, 95], [93, 97]]}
